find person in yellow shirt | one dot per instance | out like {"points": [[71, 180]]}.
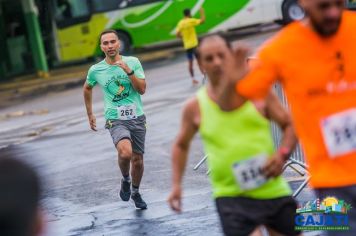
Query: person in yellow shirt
{"points": [[186, 31]]}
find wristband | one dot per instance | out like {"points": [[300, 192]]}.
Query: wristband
{"points": [[131, 73], [285, 152]]}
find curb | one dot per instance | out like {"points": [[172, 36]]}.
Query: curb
{"points": [[17, 96]]}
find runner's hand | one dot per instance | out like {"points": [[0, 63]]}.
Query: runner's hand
{"points": [[235, 68], [239, 67], [175, 199], [92, 122], [123, 66], [274, 166]]}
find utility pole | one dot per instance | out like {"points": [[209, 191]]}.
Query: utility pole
{"points": [[35, 37], [3, 49]]}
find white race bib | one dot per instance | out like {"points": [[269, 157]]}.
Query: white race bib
{"points": [[339, 133], [126, 112], [249, 174]]}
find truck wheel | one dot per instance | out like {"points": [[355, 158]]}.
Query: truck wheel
{"points": [[125, 43], [292, 11]]}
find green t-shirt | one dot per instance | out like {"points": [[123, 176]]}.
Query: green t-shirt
{"points": [[119, 94]]}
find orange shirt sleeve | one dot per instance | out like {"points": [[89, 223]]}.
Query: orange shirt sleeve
{"points": [[263, 73]]}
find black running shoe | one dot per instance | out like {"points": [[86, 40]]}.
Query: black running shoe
{"points": [[125, 191], [139, 202]]}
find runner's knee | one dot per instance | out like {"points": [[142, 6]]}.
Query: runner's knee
{"points": [[125, 154], [137, 161], [124, 150]]}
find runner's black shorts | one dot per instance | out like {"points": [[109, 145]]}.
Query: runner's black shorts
{"points": [[241, 215], [191, 53]]}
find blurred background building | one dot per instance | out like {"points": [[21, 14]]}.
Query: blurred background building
{"points": [[37, 35]]}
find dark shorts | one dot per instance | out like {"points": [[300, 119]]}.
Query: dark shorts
{"points": [[241, 216], [191, 53], [348, 194], [134, 130]]}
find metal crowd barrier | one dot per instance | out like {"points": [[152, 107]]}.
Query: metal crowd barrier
{"points": [[297, 157], [200, 163]]}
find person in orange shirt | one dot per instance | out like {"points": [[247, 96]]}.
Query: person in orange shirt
{"points": [[186, 31], [314, 60]]}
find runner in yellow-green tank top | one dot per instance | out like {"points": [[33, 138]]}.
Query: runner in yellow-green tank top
{"points": [[238, 144], [248, 188]]}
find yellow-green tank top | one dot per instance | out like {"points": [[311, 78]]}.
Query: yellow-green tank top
{"points": [[234, 136]]}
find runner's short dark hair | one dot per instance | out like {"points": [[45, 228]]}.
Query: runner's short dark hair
{"points": [[223, 37], [19, 197], [186, 12], [108, 31]]}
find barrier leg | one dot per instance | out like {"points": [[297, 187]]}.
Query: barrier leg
{"points": [[200, 162], [301, 187], [296, 170]]}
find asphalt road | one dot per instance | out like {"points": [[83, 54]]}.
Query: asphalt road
{"points": [[79, 167]]}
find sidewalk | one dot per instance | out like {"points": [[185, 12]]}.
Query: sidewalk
{"points": [[30, 86]]}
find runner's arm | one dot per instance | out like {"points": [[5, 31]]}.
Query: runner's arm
{"points": [[276, 112], [202, 15], [88, 94], [183, 140], [264, 72], [189, 127], [139, 84], [178, 31]]}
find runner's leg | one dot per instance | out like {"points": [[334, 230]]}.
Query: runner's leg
{"points": [[257, 232], [137, 168], [124, 156], [138, 134], [191, 70], [190, 56]]}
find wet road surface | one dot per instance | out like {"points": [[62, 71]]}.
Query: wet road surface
{"points": [[79, 167]]}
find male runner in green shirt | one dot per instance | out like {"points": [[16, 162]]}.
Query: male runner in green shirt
{"points": [[122, 81]]}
